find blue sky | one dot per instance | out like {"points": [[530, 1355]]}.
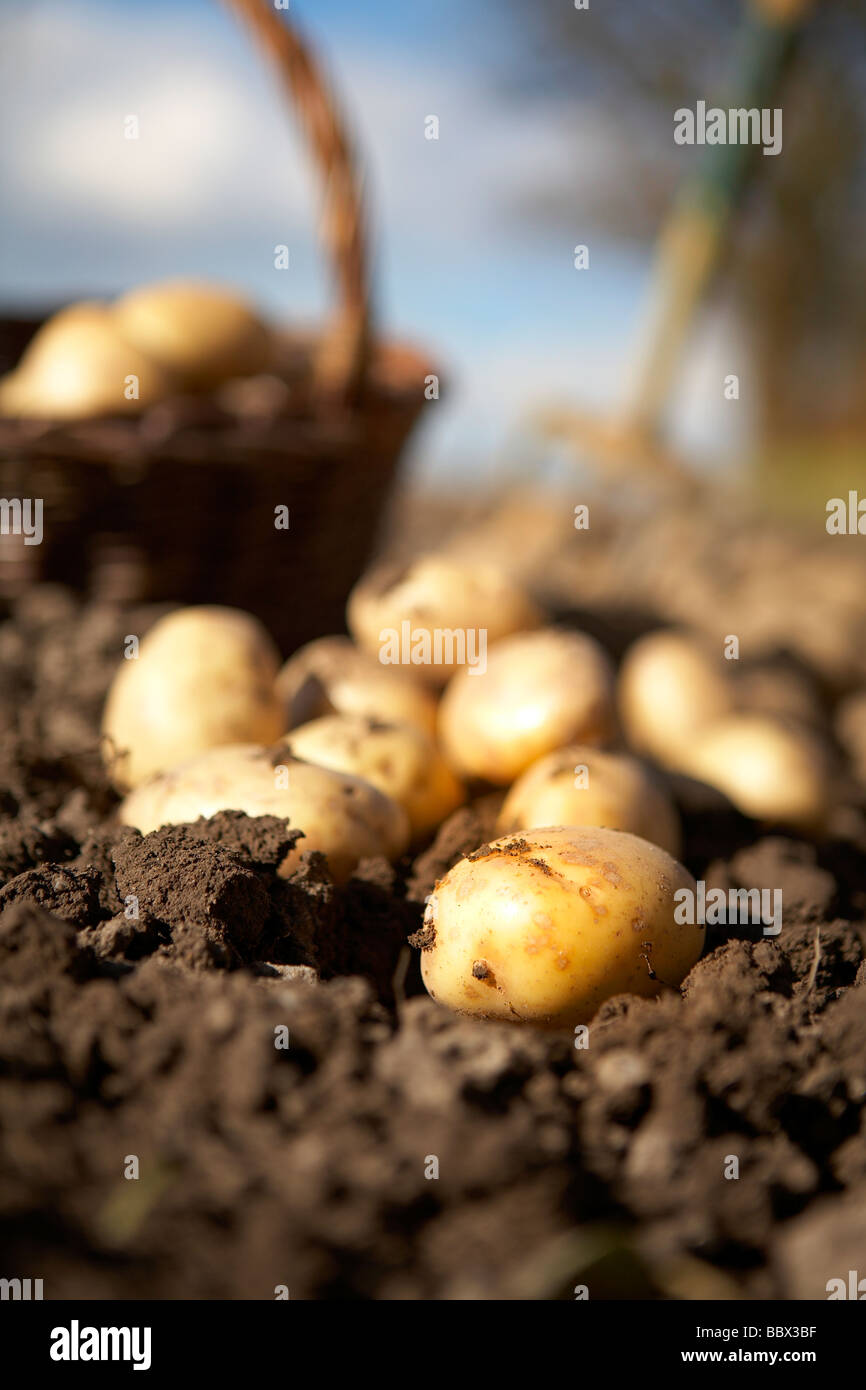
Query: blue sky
{"points": [[218, 178]]}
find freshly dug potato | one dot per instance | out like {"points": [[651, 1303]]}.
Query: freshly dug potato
{"points": [[331, 676], [542, 927], [77, 367], [400, 760], [583, 786], [770, 770], [541, 691], [668, 687], [343, 817], [204, 676], [437, 606], [203, 332]]}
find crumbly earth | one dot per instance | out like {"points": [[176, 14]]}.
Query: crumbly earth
{"points": [[390, 1150]]}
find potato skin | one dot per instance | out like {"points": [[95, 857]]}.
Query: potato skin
{"points": [[203, 332], [770, 770], [669, 687], [541, 691], [331, 676], [403, 762], [542, 927], [620, 794], [438, 592], [204, 676], [343, 817], [76, 366]]}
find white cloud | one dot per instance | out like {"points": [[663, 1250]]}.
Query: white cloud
{"points": [[216, 139], [209, 142]]}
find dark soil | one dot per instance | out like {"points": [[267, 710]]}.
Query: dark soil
{"points": [[391, 1150]]}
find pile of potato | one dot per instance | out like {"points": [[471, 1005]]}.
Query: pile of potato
{"points": [[95, 358], [575, 901]]}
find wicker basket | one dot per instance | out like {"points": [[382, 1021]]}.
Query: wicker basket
{"points": [[179, 502]]}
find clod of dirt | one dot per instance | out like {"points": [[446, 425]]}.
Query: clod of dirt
{"points": [[72, 894], [25, 842], [459, 835], [808, 891], [817, 1253], [197, 889], [35, 948]]}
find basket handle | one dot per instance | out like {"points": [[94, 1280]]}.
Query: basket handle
{"points": [[341, 366]]}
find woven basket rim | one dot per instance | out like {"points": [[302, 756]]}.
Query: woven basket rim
{"points": [[395, 383]]}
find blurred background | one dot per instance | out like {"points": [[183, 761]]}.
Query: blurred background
{"points": [[555, 129]]}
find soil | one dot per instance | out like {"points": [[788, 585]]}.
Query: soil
{"points": [[392, 1150]]}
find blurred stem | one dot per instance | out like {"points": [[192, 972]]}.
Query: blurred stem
{"points": [[692, 241]]}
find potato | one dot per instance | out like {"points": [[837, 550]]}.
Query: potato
{"points": [[582, 786], [437, 605], [331, 676], [541, 691], [204, 676], [401, 761], [77, 366], [542, 927], [668, 687], [770, 770], [202, 332], [343, 817]]}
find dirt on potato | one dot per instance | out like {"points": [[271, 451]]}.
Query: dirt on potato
{"points": [[302, 1115]]}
